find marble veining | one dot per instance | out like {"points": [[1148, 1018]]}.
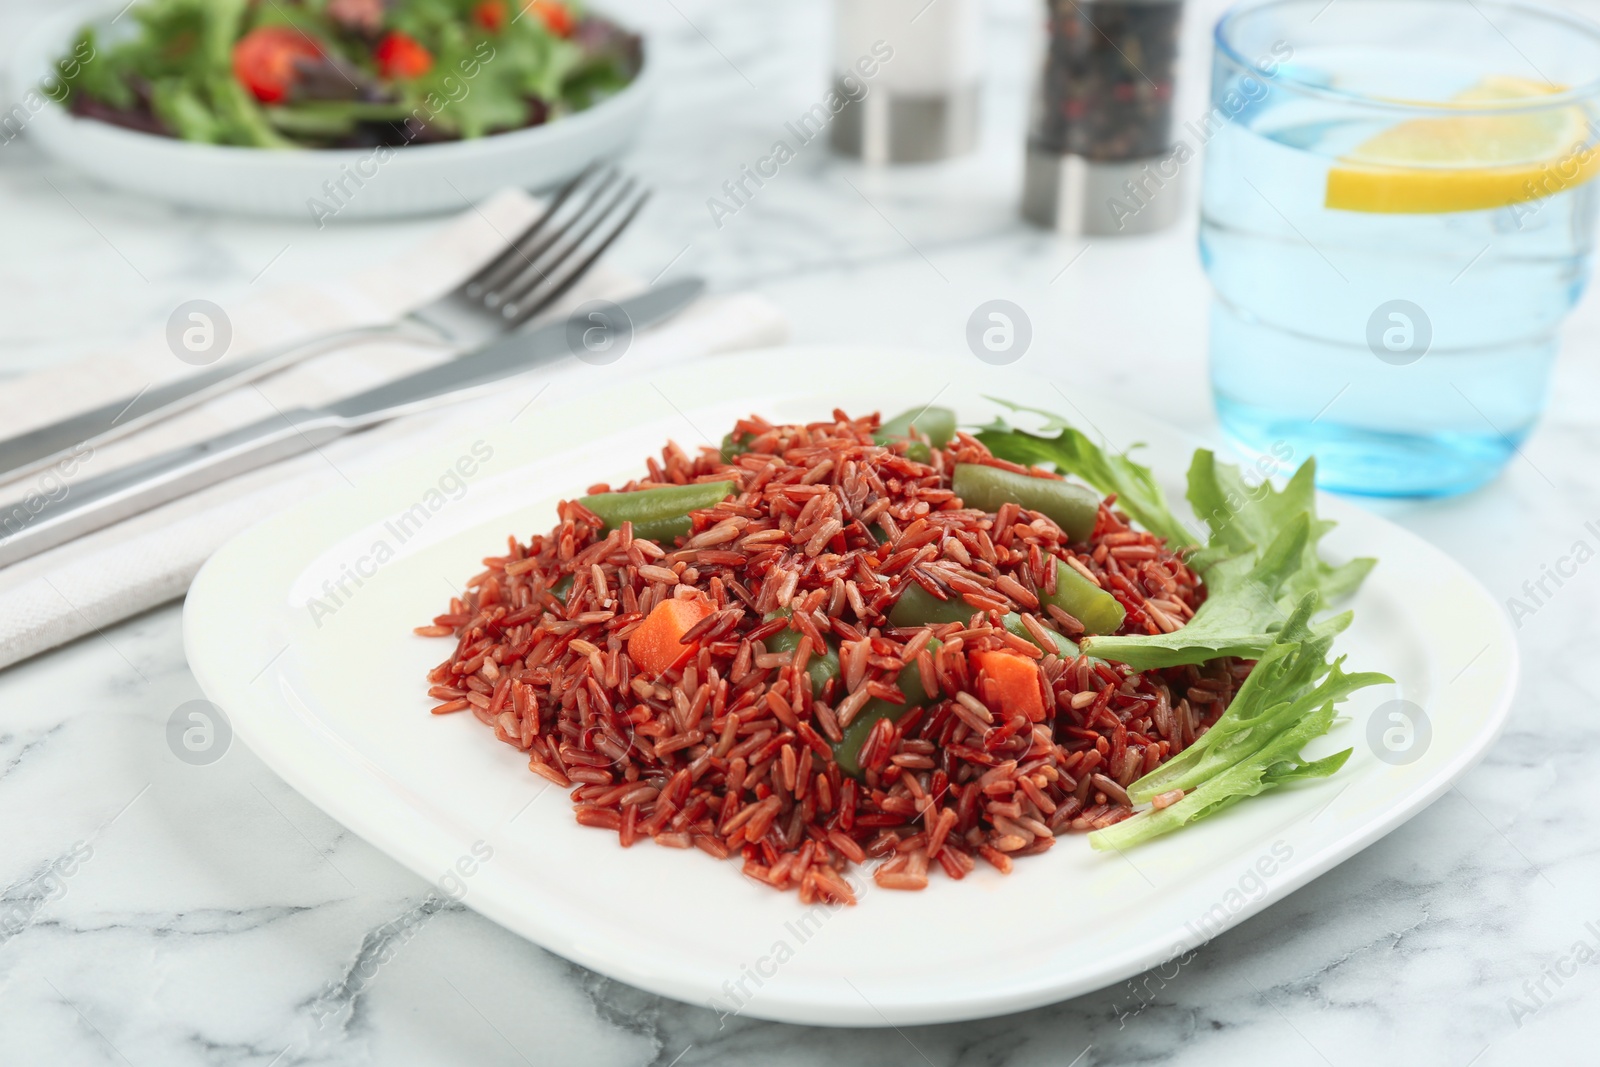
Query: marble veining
{"points": [[157, 913]]}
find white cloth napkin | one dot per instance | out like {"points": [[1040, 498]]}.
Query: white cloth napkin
{"points": [[83, 586]]}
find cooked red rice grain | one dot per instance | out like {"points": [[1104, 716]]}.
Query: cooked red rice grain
{"points": [[956, 864], [1112, 789], [1167, 799], [603, 818], [999, 860], [900, 880], [847, 846], [832, 887], [711, 845]]}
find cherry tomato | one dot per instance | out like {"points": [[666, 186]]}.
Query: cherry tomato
{"points": [[557, 18], [264, 60], [491, 15], [400, 55]]}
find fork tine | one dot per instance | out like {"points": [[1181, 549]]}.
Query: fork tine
{"points": [[515, 292], [480, 280], [529, 305], [532, 251], [550, 253]]}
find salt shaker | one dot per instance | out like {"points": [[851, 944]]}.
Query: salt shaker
{"points": [[920, 101], [1101, 160]]}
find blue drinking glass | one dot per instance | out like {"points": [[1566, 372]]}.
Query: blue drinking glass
{"points": [[1398, 213]]}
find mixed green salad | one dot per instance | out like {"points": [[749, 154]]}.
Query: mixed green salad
{"points": [[346, 73], [1267, 585]]}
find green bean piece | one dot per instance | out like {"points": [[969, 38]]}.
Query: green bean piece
{"points": [[846, 752], [1076, 595], [918, 607], [822, 668], [657, 514], [1063, 647], [937, 424], [663, 531], [733, 446], [562, 588], [1071, 506]]}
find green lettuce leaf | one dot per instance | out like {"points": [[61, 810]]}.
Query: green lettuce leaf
{"points": [[1288, 701], [1260, 564], [1292, 679], [1242, 516], [1244, 609], [1275, 763]]}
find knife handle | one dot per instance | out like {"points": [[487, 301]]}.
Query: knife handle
{"points": [[96, 503]]}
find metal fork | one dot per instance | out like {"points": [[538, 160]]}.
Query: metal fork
{"points": [[533, 270]]}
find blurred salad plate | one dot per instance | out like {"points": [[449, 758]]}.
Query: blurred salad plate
{"points": [[329, 109]]}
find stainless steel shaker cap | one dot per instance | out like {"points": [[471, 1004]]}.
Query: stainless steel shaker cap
{"points": [[1083, 197], [889, 127]]}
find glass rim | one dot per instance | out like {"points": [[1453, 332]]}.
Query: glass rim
{"points": [[1573, 95]]}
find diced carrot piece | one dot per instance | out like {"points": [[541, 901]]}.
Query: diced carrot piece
{"points": [[1014, 682], [657, 645]]}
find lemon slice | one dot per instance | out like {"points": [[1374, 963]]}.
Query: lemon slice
{"points": [[1469, 162]]}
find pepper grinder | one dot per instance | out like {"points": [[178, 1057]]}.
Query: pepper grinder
{"points": [[1100, 156], [920, 101]]}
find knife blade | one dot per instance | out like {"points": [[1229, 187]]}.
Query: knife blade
{"points": [[100, 501], [499, 358]]}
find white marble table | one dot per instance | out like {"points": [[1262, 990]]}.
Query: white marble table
{"points": [[211, 915]]}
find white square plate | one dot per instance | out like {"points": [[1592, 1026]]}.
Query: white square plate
{"points": [[301, 630]]}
